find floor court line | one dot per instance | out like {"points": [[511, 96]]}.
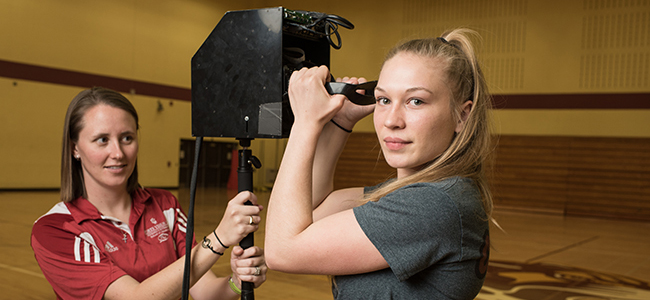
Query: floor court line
{"points": [[565, 248], [19, 270]]}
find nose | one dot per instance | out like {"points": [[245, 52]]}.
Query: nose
{"points": [[116, 150], [394, 117]]}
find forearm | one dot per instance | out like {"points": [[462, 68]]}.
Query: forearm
{"points": [[290, 205], [212, 287], [328, 150], [167, 283]]}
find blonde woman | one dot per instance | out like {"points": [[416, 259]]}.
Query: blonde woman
{"points": [[421, 235]]}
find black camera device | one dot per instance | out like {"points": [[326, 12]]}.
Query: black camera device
{"points": [[240, 73]]}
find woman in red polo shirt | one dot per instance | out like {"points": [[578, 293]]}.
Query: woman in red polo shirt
{"points": [[109, 238]]}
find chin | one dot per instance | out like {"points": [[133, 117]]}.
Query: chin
{"points": [[395, 164]]}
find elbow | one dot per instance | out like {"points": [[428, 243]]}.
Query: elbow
{"points": [[276, 258], [271, 261], [273, 257]]}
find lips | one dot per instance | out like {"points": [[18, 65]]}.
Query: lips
{"points": [[115, 167], [395, 144]]}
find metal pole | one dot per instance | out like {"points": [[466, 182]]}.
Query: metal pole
{"points": [[245, 183]]}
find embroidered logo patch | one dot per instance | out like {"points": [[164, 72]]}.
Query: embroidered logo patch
{"points": [[163, 237], [159, 231]]}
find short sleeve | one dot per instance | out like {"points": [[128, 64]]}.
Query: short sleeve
{"points": [[413, 228], [72, 263]]}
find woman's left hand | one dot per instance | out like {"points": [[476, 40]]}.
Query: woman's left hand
{"points": [[351, 113], [239, 219], [248, 265]]}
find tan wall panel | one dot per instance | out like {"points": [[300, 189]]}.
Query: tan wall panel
{"points": [[146, 40], [529, 47], [31, 123], [576, 122], [32, 133]]}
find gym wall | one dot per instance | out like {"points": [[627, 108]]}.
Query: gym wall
{"points": [[573, 69]]}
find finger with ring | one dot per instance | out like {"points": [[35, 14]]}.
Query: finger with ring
{"points": [[257, 271], [250, 220]]}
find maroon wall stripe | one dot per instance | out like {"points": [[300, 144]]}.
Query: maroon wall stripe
{"points": [[538, 101], [86, 80], [573, 101]]}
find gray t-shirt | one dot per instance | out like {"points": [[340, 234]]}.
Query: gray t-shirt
{"points": [[434, 237]]}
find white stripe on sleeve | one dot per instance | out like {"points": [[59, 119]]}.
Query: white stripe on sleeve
{"points": [[77, 244]]}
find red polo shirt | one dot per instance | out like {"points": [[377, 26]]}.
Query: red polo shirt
{"points": [[81, 252]]}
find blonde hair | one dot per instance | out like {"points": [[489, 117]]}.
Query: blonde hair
{"points": [[72, 178], [468, 151]]}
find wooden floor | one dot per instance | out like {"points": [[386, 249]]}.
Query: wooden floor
{"points": [[594, 250]]}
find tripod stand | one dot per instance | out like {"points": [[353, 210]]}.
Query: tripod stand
{"points": [[245, 183]]}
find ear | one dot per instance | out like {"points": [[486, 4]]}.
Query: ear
{"points": [[465, 109], [75, 151]]}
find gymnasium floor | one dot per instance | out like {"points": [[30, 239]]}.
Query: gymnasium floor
{"points": [[536, 256]]}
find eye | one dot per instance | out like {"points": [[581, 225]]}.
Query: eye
{"points": [[416, 102], [102, 140], [383, 101], [127, 139]]}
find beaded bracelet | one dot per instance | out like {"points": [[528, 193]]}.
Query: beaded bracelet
{"points": [[233, 286], [207, 244]]}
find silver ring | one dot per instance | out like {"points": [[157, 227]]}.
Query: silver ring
{"points": [[257, 271], [250, 220]]}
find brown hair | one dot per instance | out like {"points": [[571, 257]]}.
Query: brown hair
{"points": [[468, 151], [72, 180]]}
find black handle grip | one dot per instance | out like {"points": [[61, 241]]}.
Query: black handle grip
{"points": [[350, 91]]}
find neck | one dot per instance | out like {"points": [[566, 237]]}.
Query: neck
{"points": [[116, 204], [401, 173]]}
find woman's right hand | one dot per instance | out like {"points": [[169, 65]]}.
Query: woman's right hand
{"points": [[248, 265], [239, 219], [310, 102]]}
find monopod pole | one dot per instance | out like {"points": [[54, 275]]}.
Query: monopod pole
{"points": [[245, 183]]}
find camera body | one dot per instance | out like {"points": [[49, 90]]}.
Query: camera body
{"points": [[241, 71]]}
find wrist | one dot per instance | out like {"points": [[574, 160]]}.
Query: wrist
{"points": [[233, 285], [341, 126], [219, 241], [213, 246], [213, 243], [346, 124]]}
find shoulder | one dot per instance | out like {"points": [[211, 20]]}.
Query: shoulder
{"points": [[369, 189], [450, 198], [454, 189], [457, 193], [450, 188], [58, 215], [55, 232], [448, 185]]}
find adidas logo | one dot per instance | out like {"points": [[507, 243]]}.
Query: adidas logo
{"points": [[110, 248]]}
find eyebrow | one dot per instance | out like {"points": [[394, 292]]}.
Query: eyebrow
{"points": [[409, 90], [102, 134]]}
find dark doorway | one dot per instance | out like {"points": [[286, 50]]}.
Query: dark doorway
{"points": [[214, 164]]}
